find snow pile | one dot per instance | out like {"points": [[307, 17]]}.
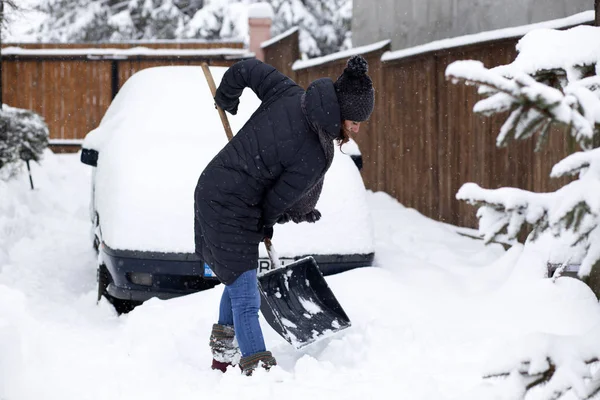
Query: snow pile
{"points": [[433, 311]]}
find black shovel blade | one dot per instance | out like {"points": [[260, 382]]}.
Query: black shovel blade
{"points": [[298, 304]]}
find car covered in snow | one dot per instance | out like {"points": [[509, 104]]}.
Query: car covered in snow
{"points": [[148, 152]]}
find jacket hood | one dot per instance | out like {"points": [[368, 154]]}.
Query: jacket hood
{"points": [[322, 108]]}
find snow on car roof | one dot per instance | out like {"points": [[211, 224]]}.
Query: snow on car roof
{"points": [[155, 139]]}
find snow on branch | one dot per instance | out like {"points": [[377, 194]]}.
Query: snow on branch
{"points": [[554, 364], [509, 211], [543, 87], [534, 105], [23, 137], [555, 80]]}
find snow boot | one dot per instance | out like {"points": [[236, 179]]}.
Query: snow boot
{"points": [[250, 363], [223, 346]]}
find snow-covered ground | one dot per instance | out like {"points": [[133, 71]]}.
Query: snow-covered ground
{"points": [[426, 319]]}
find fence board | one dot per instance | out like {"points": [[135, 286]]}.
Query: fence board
{"points": [[59, 92], [73, 93], [469, 152], [435, 143], [283, 53], [555, 150], [407, 126]]}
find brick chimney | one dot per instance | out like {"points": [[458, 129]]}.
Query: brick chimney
{"points": [[260, 17]]}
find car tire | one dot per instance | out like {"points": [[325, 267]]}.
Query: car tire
{"points": [[103, 278], [96, 244], [121, 306]]}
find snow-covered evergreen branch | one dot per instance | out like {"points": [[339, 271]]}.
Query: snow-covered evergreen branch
{"points": [[554, 80], [539, 89], [23, 136], [553, 364], [535, 105], [324, 25]]}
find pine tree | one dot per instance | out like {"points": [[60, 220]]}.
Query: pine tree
{"points": [[75, 21], [538, 98], [555, 80], [23, 137], [324, 25], [112, 20], [5, 5]]}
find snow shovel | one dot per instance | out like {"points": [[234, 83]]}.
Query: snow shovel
{"points": [[295, 300]]}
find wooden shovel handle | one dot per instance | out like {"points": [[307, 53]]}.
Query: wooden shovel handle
{"points": [[227, 127], [213, 90], [271, 252]]}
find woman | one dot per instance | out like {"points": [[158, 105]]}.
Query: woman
{"points": [[271, 171]]}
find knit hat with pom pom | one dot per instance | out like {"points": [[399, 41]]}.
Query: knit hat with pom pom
{"points": [[355, 91]]}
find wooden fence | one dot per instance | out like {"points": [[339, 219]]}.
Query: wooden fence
{"points": [[423, 141], [72, 85], [283, 51]]}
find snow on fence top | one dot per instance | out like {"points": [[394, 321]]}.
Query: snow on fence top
{"points": [[518, 31], [124, 53], [301, 64], [279, 37], [547, 49], [260, 10]]}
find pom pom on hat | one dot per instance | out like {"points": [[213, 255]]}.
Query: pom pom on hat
{"points": [[355, 92], [357, 66]]}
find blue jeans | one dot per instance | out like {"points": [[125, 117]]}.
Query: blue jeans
{"points": [[239, 307]]}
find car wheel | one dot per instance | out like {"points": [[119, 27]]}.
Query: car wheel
{"points": [[121, 306], [96, 244], [95, 231], [103, 278]]}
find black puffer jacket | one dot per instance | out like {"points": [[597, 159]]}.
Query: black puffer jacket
{"points": [[274, 161]]}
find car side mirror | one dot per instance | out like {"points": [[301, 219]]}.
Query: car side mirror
{"points": [[358, 161], [89, 157]]}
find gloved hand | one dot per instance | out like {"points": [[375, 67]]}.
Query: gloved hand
{"points": [[268, 233], [313, 216], [225, 104], [284, 219]]}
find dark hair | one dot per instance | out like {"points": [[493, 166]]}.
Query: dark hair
{"points": [[344, 137]]}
